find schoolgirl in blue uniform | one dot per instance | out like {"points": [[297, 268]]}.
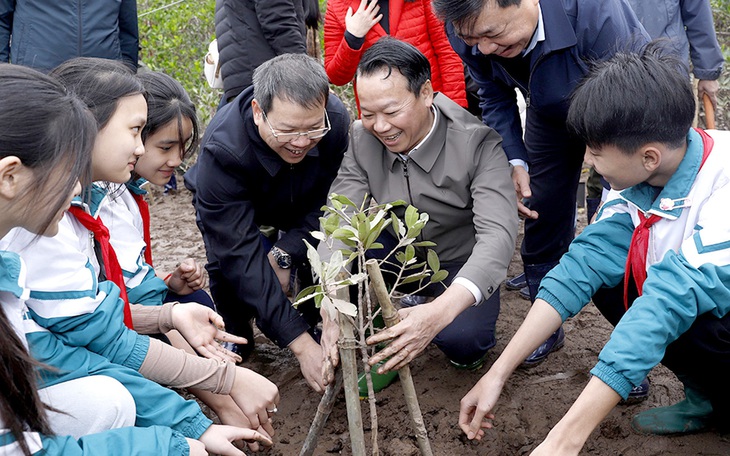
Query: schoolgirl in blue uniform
{"points": [[70, 295], [46, 137], [170, 133]]}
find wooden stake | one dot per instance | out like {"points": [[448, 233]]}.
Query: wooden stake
{"points": [[390, 315], [323, 412], [348, 345]]}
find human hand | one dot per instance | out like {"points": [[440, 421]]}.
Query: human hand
{"points": [[361, 21], [330, 351], [257, 398], [187, 277], [709, 87], [230, 414], [284, 275], [521, 181], [417, 328], [475, 409], [309, 355], [218, 439], [202, 328], [197, 448]]}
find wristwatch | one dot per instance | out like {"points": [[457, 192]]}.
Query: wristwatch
{"points": [[283, 259]]}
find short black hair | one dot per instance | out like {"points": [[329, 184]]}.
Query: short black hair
{"points": [[392, 53], [633, 99], [297, 78], [463, 14]]}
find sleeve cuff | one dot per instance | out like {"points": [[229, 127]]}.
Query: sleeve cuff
{"points": [[473, 289], [520, 162], [354, 42]]}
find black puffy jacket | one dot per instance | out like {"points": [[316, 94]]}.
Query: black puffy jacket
{"points": [[251, 32]]}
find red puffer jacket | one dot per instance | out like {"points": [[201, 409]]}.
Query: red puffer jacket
{"points": [[413, 22]]}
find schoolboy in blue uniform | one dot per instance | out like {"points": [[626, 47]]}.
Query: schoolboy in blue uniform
{"points": [[543, 48], [664, 230]]}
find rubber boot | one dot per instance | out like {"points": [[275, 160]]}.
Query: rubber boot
{"points": [[693, 414], [534, 274]]}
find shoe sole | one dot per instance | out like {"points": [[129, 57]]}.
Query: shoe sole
{"points": [[555, 348], [633, 400]]}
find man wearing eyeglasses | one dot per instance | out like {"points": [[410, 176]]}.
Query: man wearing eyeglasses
{"points": [[267, 159]]}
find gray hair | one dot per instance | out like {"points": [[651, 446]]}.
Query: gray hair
{"points": [[297, 78], [463, 14]]}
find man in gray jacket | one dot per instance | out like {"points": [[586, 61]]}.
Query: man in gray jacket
{"points": [[419, 146]]}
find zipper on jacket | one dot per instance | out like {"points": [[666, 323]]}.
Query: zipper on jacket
{"points": [[408, 180], [421, 236], [526, 90], [291, 184]]}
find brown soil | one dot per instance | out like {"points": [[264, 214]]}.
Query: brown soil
{"points": [[532, 402]]}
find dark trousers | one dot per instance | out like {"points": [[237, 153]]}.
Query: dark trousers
{"points": [[700, 357], [555, 167], [471, 334]]}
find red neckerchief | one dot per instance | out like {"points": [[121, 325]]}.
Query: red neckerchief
{"points": [[112, 269], [144, 210], [636, 259]]}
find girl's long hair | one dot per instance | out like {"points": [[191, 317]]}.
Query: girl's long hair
{"points": [[167, 101], [52, 133]]}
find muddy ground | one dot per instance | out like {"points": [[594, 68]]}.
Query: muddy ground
{"points": [[531, 403]]}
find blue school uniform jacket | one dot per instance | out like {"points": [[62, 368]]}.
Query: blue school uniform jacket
{"points": [[67, 298], [688, 262], [121, 216], [155, 438]]}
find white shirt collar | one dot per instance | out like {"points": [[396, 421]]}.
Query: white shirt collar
{"points": [[425, 138], [539, 34]]}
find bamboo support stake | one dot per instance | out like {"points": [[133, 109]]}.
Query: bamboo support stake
{"points": [[348, 346], [323, 412], [390, 315]]}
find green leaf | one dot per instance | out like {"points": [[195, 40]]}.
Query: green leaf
{"points": [[318, 235], [413, 278], [424, 244], [305, 293], [401, 257], [410, 253], [411, 216], [329, 307], [342, 200], [439, 276], [345, 307], [398, 227], [314, 261], [433, 260]]}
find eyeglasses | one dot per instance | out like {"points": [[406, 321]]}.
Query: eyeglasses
{"points": [[289, 137]]}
